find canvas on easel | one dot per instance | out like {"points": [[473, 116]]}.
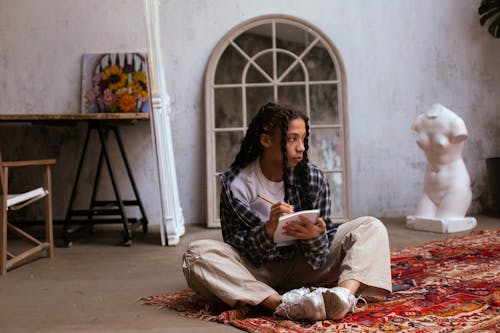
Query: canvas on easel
{"points": [[115, 83]]}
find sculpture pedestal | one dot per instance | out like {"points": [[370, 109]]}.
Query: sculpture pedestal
{"points": [[443, 225]]}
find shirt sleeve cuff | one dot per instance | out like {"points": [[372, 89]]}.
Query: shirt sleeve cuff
{"points": [[316, 242], [261, 237]]}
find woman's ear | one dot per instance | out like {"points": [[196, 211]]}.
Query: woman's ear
{"points": [[265, 140]]}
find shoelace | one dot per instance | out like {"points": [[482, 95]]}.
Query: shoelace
{"points": [[354, 304]]}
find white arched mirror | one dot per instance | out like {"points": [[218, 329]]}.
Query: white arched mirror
{"points": [[281, 59]]}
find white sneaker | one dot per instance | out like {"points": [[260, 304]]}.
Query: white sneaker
{"points": [[309, 306], [294, 295], [338, 301]]}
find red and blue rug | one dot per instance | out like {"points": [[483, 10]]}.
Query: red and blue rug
{"points": [[455, 288]]}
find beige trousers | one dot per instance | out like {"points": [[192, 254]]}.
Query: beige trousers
{"points": [[360, 251]]}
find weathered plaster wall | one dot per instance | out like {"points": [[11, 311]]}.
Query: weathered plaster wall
{"points": [[41, 47], [400, 57]]}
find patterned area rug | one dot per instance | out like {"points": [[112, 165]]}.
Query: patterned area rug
{"points": [[455, 288]]}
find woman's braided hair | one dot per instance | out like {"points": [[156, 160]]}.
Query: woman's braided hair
{"points": [[273, 116]]}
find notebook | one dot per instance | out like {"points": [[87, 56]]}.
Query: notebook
{"points": [[280, 238]]}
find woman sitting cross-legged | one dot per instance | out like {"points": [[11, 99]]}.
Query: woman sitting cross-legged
{"points": [[324, 270]]}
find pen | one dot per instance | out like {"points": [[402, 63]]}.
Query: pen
{"points": [[266, 199]]}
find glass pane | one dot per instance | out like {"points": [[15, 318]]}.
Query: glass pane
{"points": [[227, 145], [325, 148], [256, 97], [319, 64], [324, 104], [255, 40], [337, 194], [293, 95], [265, 62], [228, 112], [230, 66], [284, 61], [292, 38]]}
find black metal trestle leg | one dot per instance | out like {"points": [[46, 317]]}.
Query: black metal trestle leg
{"points": [[132, 180], [67, 230], [104, 207]]}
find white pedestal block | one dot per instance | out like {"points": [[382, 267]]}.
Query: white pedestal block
{"points": [[443, 225]]}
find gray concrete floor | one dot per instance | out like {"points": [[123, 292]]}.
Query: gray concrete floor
{"points": [[94, 285]]}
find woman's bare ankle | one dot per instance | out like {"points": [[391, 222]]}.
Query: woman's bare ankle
{"points": [[271, 302]]}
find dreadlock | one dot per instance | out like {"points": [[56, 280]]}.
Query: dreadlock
{"points": [[270, 117]]}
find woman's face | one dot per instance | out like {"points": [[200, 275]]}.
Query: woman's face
{"points": [[295, 137], [294, 143]]}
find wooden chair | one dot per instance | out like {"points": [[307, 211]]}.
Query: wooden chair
{"points": [[11, 202]]}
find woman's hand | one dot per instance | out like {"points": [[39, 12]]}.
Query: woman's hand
{"points": [[305, 229], [277, 210]]}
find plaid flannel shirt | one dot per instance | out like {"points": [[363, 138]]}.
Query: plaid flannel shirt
{"points": [[245, 231]]}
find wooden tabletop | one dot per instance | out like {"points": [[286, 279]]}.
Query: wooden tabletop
{"points": [[72, 117]]}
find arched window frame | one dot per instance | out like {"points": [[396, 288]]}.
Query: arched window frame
{"points": [[213, 187]]}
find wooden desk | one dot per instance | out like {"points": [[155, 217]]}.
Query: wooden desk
{"points": [[62, 118], [103, 124]]}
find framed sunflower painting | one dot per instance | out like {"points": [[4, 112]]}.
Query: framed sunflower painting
{"points": [[115, 83]]}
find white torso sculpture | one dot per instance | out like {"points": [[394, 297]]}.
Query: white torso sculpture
{"points": [[447, 193]]}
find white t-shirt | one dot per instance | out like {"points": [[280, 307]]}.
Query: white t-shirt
{"points": [[251, 182]]}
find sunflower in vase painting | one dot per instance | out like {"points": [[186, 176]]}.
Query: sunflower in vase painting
{"points": [[118, 84]]}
